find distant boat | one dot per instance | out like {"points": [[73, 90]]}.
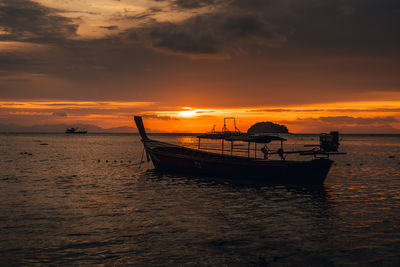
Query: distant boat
{"points": [[174, 158], [76, 130]]}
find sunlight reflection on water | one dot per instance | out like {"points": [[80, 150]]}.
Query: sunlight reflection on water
{"points": [[83, 200]]}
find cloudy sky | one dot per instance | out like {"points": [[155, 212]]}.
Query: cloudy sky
{"points": [[186, 64]]}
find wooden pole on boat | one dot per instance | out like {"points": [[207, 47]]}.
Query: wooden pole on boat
{"points": [[248, 149], [140, 127], [199, 144], [222, 146]]}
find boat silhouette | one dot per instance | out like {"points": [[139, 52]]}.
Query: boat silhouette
{"points": [[174, 158], [76, 130]]}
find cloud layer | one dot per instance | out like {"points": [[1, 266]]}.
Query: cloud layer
{"points": [[203, 53], [25, 20], [209, 34]]}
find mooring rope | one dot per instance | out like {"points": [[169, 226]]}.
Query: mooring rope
{"points": [[141, 159]]}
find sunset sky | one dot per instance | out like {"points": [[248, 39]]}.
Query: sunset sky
{"points": [[185, 65]]}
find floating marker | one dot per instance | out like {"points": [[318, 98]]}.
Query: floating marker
{"points": [[107, 160], [391, 157], [348, 164], [98, 160], [44, 144]]}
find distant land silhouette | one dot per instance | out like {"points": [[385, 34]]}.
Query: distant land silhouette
{"points": [[60, 128], [267, 127], [256, 128]]}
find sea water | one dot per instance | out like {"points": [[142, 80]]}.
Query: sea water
{"points": [[87, 200]]}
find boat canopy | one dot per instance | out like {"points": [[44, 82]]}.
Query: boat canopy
{"points": [[262, 138]]}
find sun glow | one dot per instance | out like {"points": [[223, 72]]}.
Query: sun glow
{"points": [[187, 113], [365, 116]]}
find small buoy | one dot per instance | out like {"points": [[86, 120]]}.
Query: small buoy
{"points": [[21, 153], [98, 160], [106, 160], [115, 161], [44, 144], [361, 163], [122, 161], [25, 153], [348, 164], [30, 154], [391, 157], [130, 162], [334, 164]]}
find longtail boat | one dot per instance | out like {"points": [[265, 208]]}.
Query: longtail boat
{"points": [[75, 131], [174, 158]]}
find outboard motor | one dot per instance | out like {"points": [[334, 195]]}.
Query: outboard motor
{"points": [[329, 142]]}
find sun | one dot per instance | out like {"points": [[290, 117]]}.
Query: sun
{"points": [[187, 113]]}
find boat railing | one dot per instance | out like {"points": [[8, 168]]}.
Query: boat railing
{"points": [[229, 145], [234, 144]]}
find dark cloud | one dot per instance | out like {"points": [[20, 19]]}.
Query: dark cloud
{"points": [[283, 110], [60, 104], [353, 26], [139, 16], [143, 16], [347, 110], [12, 113], [111, 27], [358, 120], [366, 110], [25, 20], [347, 120], [60, 114], [164, 118], [210, 33], [194, 3], [310, 27], [17, 80]]}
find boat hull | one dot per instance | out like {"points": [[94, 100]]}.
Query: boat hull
{"points": [[173, 158]]}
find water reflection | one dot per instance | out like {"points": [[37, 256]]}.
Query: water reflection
{"points": [[63, 206], [250, 218]]}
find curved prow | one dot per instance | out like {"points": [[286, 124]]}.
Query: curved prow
{"points": [[140, 127]]}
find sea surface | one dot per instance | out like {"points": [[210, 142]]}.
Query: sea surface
{"points": [[87, 200]]}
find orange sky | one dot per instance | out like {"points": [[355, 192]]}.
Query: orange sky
{"points": [[185, 65], [348, 117]]}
